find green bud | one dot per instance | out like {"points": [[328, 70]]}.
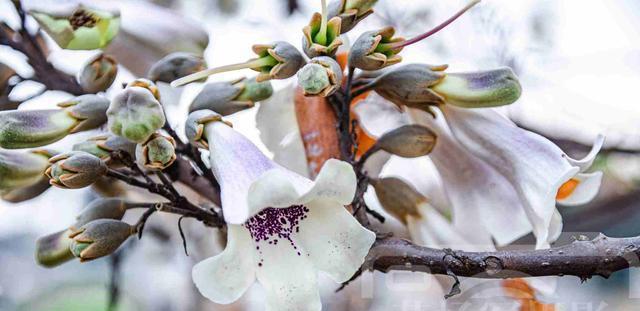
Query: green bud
{"points": [[21, 169], [491, 88], [410, 85], [89, 110], [103, 146], [409, 141], [135, 114], [111, 208], [27, 193], [330, 41], [35, 128], [53, 250], [99, 238], [350, 12], [365, 53], [175, 66], [398, 198], [98, 74], [74, 170], [157, 153], [228, 98], [287, 60], [194, 127], [80, 27], [322, 76]]}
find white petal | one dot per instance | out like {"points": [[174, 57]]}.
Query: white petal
{"points": [[586, 162], [378, 116], [236, 163], [555, 227], [276, 119], [280, 188], [225, 277], [376, 163], [482, 199], [587, 189], [335, 242], [533, 165], [289, 280], [432, 229]]}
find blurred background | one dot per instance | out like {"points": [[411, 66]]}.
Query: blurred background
{"points": [[578, 61]]}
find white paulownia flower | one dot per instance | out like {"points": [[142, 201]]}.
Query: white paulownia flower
{"points": [[501, 181], [282, 228]]}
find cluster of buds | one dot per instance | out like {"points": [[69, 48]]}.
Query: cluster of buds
{"points": [[136, 113], [35, 128], [55, 249]]}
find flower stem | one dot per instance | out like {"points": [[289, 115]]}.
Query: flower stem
{"points": [[401, 44], [264, 61], [321, 36]]}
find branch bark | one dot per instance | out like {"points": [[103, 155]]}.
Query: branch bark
{"points": [[601, 256]]}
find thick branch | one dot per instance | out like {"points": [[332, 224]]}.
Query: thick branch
{"points": [[601, 256]]}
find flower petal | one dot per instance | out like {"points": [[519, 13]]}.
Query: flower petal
{"points": [[533, 165], [432, 229], [281, 188], [378, 116], [237, 163], [276, 120], [334, 241], [225, 277], [289, 280], [476, 190], [586, 162], [587, 189]]}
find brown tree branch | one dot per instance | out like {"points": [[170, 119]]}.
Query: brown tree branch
{"points": [[601, 256]]}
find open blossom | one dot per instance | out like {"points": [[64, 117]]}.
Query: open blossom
{"points": [[282, 228], [501, 181]]}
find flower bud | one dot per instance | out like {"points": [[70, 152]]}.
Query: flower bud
{"points": [[35, 128], [157, 153], [321, 76], [79, 27], [365, 53], [489, 88], [398, 198], [99, 238], [90, 110], [21, 169], [135, 114], [175, 66], [194, 127], [288, 60], [228, 98], [27, 193], [409, 141], [100, 209], [98, 74], [146, 84], [409, 85], [103, 146], [350, 12], [315, 43], [74, 170], [53, 250]]}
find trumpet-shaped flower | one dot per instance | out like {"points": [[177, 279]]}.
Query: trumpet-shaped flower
{"points": [[501, 181], [282, 228]]}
